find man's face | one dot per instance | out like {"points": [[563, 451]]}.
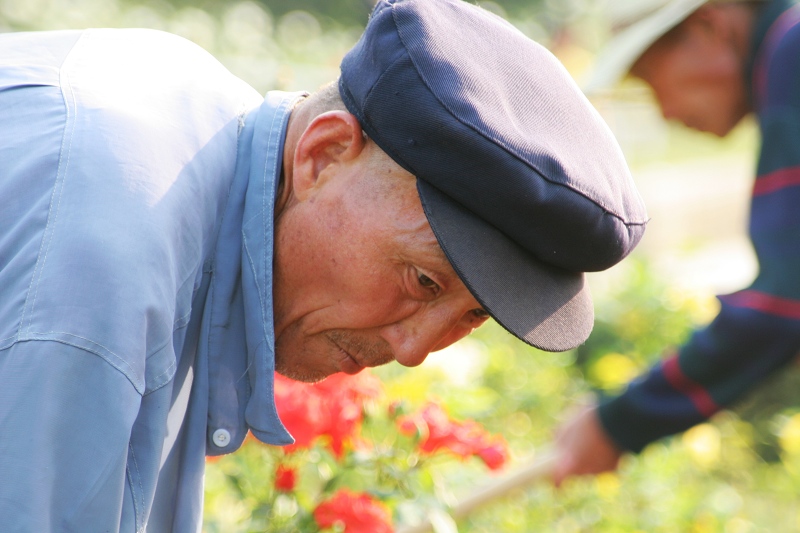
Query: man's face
{"points": [[697, 78], [360, 279]]}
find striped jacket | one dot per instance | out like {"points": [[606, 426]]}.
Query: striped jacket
{"points": [[758, 329]]}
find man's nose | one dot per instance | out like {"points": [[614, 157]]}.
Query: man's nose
{"points": [[665, 103], [669, 109], [413, 338]]}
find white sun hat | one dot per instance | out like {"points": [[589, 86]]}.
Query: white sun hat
{"points": [[635, 25]]}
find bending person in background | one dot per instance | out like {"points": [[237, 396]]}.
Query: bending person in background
{"points": [[710, 64]]}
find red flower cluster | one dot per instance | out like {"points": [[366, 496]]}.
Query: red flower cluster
{"points": [[285, 478], [358, 512], [464, 439], [331, 408]]}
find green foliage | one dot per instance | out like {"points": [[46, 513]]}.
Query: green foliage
{"points": [[356, 12], [769, 408], [714, 478], [635, 326], [384, 463]]}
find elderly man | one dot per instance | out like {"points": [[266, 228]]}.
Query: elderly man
{"points": [[169, 239], [709, 64]]}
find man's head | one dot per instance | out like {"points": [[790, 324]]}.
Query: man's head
{"points": [[465, 176], [360, 279], [692, 53]]}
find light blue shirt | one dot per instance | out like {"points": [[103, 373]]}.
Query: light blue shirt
{"points": [[137, 186]]}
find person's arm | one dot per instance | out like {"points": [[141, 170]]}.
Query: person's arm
{"points": [[583, 447], [65, 419], [757, 330], [754, 334]]}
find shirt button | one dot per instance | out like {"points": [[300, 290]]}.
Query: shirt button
{"points": [[221, 438]]}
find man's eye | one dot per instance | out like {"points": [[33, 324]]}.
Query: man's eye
{"points": [[427, 282], [480, 313]]}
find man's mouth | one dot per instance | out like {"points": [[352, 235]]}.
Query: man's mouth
{"points": [[347, 363], [357, 354]]}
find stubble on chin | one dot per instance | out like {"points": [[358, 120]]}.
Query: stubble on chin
{"points": [[298, 372], [299, 364], [366, 352]]}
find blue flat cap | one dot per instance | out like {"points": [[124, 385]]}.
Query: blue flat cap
{"points": [[522, 182]]}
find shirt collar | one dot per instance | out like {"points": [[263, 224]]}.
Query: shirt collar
{"points": [[257, 251], [241, 335]]}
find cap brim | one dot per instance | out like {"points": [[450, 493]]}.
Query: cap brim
{"points": [[546, 307], [618, 56]]}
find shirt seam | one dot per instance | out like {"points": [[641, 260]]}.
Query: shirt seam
{"points": [[46, 336], [58, 187], [137, 509]]}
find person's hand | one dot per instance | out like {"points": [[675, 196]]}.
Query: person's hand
{"points": [[583, 447]]}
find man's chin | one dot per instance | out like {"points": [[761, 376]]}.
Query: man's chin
{"points": [[300, 374]]}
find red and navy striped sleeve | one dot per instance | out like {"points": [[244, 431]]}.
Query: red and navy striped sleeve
{"points": [[757, 329]]}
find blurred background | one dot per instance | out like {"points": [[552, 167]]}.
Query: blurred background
{"points": [[739, 473]]}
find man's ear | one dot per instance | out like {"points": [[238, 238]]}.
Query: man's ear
{"points": [[331, 138]]}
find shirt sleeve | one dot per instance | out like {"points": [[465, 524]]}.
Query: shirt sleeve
{"points": [[65, 417], [757, 329]]}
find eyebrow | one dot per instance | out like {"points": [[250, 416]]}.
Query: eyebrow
{"points": [[431, 251], [439, 260]]}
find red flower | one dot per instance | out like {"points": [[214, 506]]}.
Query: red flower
{"points": [[396, 408], [464, 439], [331, 408], [358, 513], [495, 454], [285, 478], [299, 410]]}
